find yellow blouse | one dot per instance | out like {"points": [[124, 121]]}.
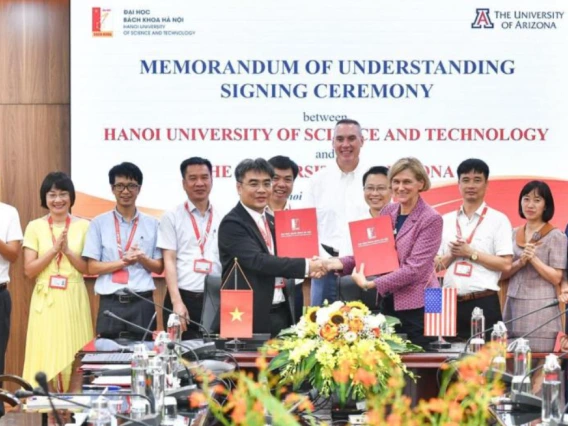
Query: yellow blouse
{"points": [[38, 238]]}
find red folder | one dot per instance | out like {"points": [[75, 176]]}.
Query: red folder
{"points": [[296, 233], [373, 245]]}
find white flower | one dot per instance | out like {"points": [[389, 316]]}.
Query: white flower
{"points": [[374, 321], [322, 316], [335, 306], [350, 336]]}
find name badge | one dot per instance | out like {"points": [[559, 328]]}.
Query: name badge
{"points": [[203, 266], [58, 282], [463, 269], [120, 276]]}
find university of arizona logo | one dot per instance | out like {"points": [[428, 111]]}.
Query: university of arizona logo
{"points": [[482, 19]]}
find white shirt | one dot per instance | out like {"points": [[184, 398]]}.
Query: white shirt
{"points": [[338, 198], [10, 230], [287, 206], [492, 236], [259, 219], [176, 233]]}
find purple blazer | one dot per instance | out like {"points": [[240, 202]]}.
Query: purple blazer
{"points": [[417, 244]]}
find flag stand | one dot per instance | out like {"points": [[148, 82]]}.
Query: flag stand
{"points": [[440, 272], [236, 344], [439, 344]]}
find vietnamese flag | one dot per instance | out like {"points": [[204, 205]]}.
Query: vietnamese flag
{"points": [[236, 313]]}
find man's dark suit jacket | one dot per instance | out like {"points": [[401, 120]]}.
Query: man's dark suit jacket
{"points": [[239, 237]]}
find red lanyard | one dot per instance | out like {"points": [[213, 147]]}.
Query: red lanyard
{"points": [[119, 240], [266, 233], [470, 238], [67, 224], [196, 229]]}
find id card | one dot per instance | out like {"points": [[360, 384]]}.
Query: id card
{"points": [[203, 266], [463, 269], [120, 276], [58, 282]]}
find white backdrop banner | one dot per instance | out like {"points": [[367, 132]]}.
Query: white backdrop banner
{"points": [[157, 82]]}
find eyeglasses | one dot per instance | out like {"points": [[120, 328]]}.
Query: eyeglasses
{"points": [[119, 187], [61, 195], [375, 188], [256, 185]]}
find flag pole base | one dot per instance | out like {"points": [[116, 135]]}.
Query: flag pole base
{"points": [[439, 344], [234, 345]]}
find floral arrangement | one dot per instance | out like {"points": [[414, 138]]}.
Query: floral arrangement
{"points": [[332, 343], [464, 399]]}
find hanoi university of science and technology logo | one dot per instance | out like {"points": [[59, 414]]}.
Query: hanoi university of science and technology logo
{"points": [[102, 22], [482, 19]]}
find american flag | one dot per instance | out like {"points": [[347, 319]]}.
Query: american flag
{"points": [[440, 311]]}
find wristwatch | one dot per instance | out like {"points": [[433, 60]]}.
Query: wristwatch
{"points": [[474, 256]]}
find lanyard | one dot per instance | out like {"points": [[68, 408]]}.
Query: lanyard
{"points": [[67, 224], [470, 238], [130, 238], [200, 241], [266, 233]]}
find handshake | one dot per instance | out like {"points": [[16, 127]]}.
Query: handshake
{"points": [[318, 267]]}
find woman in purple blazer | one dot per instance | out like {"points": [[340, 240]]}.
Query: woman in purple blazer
{"points": [[418, 235]]}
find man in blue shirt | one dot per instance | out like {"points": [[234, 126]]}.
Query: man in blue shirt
{"points": [[121, 249]]}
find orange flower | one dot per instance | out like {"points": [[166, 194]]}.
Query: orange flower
{"points": [[341, 375], [329, 332], [393, 419], [437, 405], [196, 399], [345, 308], [356, 325], [261, 363], [366, 378], [239, 411], [377, 332]]}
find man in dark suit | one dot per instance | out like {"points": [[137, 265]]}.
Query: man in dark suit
{"points": [[247, 233]]}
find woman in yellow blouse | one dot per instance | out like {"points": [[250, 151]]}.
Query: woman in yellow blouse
{"points": [[60, 316]]}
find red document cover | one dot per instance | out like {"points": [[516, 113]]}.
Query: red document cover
{"points": [[373, 245], [296, 233]]}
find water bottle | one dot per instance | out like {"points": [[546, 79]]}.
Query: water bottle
{"points": [[139, 366], [499, 339], [99, 414], [523, 362], [161, 342], [157, 381], [171, 365], [551, 390], [174, 328], [477, 327], [170, 411]]}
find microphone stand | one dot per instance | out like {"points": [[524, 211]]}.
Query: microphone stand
{"points": [[41, 379]]}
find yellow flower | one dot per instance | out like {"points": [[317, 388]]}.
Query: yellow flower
{"points": [[311, 314], [358, 305], [337, 318]]}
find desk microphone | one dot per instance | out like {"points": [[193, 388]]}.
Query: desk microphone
{"points": [[41, 379], [109, 314], [64, 397], [550, 305], [133, 293]]}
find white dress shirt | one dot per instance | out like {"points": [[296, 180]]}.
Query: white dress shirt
{"points": [[492, 236], [176, 233], [338, 198], [10, 230]]}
